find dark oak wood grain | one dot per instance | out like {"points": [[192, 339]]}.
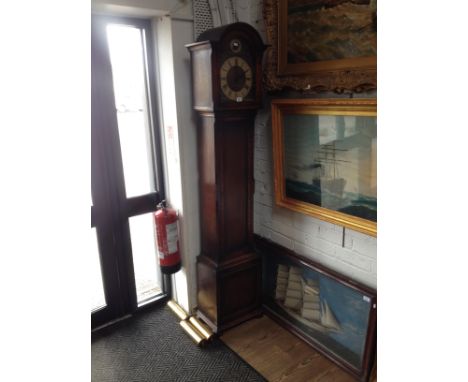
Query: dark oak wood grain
{"points": [[228, 269]]}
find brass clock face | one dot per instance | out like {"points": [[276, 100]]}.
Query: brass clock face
{"points": [[236, 78]]}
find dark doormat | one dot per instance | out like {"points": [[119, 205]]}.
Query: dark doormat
{"points": [[151, 346]]}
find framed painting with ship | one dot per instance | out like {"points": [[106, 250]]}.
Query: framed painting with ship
{"points": [[330, 312], [325, 159]]}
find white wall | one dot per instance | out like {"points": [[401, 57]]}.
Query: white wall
{"points": [[251, 12], [179, 140], [182, 32], [144, 8]]}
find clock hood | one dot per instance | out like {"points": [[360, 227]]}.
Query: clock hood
{"points": [[215, 35]]}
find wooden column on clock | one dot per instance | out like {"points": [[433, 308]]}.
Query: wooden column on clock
{"points": [[226, 71]]}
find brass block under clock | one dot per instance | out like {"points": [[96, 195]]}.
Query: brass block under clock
{"points": [[227, 79]]}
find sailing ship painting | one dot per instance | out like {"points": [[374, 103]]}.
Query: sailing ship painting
{"points": [[332, 314], [332, 185], [301, 299], [330, 161]]}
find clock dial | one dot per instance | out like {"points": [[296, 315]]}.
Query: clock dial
{"points": [[236, 78]]}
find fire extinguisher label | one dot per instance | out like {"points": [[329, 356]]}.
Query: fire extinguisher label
{"points": [[172, 237]]}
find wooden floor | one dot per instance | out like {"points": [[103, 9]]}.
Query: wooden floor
{"points": [[279, 355]]}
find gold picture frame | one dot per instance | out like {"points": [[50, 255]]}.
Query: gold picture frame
{"points": [[325, 159], [346, 74]]}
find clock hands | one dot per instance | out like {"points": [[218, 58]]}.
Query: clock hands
{"points": [[235, 78]]}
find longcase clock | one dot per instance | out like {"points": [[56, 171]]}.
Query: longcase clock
{"points": [[226, 71]]}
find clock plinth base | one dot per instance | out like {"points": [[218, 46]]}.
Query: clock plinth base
{"points": [[229, 292]]}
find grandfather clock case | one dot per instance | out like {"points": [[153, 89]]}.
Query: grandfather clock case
{"points": [[226, 72]]}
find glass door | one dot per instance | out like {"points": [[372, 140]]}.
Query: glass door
{"points": [[126, 169]]}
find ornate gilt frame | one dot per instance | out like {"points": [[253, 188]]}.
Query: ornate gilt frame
{"points": [[355, 107], [346, 75]]}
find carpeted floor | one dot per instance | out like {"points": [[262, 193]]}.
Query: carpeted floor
{"points": [[153, 347]]}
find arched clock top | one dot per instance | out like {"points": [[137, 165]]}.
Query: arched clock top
{"points": [[216, 35], [226, 68]]}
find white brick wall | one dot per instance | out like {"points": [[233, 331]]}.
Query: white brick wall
{"points": [[351, 253], [251, 11]]}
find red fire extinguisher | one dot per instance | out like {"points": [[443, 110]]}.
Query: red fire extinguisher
{"points": [[167, 233]]}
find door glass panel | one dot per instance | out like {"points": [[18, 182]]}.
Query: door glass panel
{"points": [[145, 262], [130, 90], [98, 300]]}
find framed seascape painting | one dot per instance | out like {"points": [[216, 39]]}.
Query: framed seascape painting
{"points": [[325, 159], [323, 34], [322, 44], [336, 317]]}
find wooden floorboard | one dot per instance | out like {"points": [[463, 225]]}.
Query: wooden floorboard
{"points": [[279, 355]]}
